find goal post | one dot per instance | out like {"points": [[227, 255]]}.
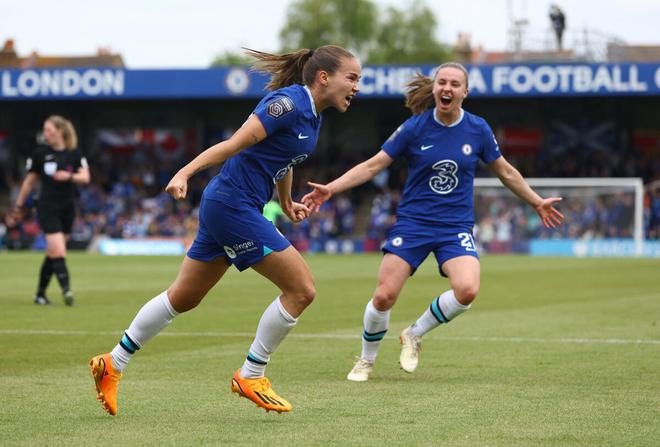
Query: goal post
{"points": [[585, 199]]}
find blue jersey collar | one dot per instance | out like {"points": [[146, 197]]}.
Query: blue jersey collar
{"points": [[311, 100], [455, 123]]}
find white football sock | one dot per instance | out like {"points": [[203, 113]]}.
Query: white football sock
{"points": [[442, 310], [152, 318], [375, 324], [273, 326]]}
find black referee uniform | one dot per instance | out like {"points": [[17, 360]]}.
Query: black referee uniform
{"points": [[56, 205], [55, 209]]}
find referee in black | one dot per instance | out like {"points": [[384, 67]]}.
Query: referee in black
{"points": [[60, 166]]}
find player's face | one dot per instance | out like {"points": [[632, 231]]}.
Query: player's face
{"points": [[449, 90], [52, 135], [343, 84]]}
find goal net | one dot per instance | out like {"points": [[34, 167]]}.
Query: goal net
{"points": [[604, 217]]}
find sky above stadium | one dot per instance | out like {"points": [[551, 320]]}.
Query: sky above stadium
{"points": [[188, 34]]}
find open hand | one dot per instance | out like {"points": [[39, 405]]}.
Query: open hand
{"points": [[314, 199], [548, 214]]}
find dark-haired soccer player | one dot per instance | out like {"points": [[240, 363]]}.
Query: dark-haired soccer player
{"points": [[281, 133]]}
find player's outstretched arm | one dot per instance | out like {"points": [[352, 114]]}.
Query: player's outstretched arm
{"points": [[249, 134], [512, 179], [355, 176]]}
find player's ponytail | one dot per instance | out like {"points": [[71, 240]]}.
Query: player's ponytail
{"points": [[419, 93], [299, 67], [68, 131]]}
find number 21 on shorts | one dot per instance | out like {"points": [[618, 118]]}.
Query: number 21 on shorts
{"points": [[467, 241]]}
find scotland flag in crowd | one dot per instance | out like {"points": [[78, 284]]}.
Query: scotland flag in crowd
{"points": [[584, 135]]}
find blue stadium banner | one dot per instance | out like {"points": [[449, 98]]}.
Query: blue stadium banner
{"points": [[142, 247], [378, 81], [594, 248]]}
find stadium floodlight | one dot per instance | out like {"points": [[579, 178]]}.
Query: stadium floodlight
{"points": [[596, 209]]}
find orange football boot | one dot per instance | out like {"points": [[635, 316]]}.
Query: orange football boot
{"points": [[259, 391], [106, 380]]}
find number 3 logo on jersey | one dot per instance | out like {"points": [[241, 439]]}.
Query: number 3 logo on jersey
{"points": [[445, 181]]}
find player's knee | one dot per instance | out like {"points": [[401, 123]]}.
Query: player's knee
{"points": [[466, 293], [307, 293], [383, 299], [302, 295], [296, 300], [184, 300]]}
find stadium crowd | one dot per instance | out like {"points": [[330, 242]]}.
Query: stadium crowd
{"points": [[126, 199]]}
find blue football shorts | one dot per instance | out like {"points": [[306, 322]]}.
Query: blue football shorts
{"points": [[413, 243], [242, 236]]}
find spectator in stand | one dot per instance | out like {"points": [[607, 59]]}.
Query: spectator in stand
{"points": [[345, 216], [654, 211], [15, 236]]}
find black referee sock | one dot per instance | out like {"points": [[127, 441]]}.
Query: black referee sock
{"points": [[44, 276], [61, 272]]}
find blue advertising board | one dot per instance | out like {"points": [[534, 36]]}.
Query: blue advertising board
{"points": [[123, 247], [378, 81], [594, 248]]}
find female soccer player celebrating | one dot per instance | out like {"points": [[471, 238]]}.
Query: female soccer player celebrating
{"points": [[60, 167], [280, 133], [442, 144]]}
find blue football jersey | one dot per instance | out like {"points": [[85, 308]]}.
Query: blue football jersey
{"points": [[441, 164], [292, 127]]}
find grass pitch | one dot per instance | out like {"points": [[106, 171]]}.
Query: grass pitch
{"points": [[555, 352]]}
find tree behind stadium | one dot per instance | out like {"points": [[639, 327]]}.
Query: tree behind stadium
{"points": [[404, 36]]}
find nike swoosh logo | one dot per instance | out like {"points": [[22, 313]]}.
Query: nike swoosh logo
{"points": [[302, 137], [426, 147]]}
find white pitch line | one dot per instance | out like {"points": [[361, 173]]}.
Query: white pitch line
{"points": [[321, 336]]}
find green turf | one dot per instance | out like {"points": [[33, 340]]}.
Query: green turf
{"points": [[555, 352]]}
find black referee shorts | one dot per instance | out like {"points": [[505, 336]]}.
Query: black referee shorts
{"points": [[56, 218]]}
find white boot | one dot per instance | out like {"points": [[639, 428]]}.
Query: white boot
{"points": [[361, 370], [410, 347]]}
